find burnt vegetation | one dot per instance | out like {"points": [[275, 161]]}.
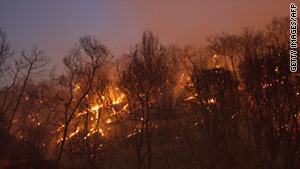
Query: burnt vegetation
{"points": [[233, 104]]}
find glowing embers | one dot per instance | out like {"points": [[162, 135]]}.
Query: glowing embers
{"points": [[181, 78], [189, 98], [70, 136], [108, 121], [119, 99], [15, 120], [80, 114], [134, 133], [95, 108], [211, 101], [99, 114], [58, 129], [93, 131], [112, 101], [125, 107], [100, 131], [77, 87]]}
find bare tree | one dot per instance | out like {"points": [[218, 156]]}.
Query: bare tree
{"points": [[272, 94], [82, 65], [146, 81], [4, 51], [17, 77]]}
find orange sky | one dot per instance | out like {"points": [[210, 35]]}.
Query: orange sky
{"points": [[54, 26]]}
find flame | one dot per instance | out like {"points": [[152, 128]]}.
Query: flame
{"points": [[181, 78], [80, 114], [118, 100], [15, 120], [107, 103], [125, 107], [189, 98], [211, 101], [134, 133], [58, 129], [77, 87], [108, 121], [97, 107], [70, 136], [100, 131]]}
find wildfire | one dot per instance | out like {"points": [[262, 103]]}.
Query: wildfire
{"points": [[70, 136], [58, 129], [189, 98], [125, 107], [97, 107], [14, 120], [93, 131], [100, 131], [94, 110], [181, 78], [119, 99], [108, 121], [77, 87], [211, 101], [80, 114]]}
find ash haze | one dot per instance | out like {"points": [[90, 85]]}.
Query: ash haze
{"points": [[54, 26]]}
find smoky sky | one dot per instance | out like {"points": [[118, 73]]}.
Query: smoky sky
{"points": [[54, 26]]}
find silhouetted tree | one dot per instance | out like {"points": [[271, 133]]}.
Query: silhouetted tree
{"points": [[82, 64], [4, 52], [272, 94], [147, 84]]}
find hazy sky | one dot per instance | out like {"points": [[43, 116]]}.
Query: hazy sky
{"points": [[55, 25]]}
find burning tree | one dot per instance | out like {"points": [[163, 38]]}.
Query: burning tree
{"points": [[83, 64], [232, 105], [272, 97]]}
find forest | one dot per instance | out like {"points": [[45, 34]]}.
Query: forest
{"points": [[231, 104]]}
